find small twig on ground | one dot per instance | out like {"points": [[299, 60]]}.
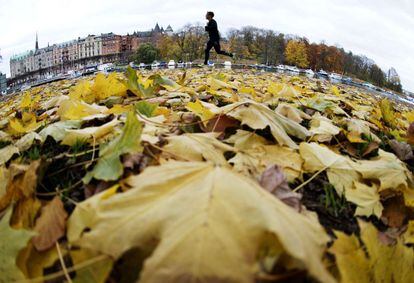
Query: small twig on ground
{"points": [[62, 263]]}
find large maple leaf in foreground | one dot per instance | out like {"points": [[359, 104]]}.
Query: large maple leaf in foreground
{"points": [[211, 225]]}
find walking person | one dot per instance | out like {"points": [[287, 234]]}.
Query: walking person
{"points": [[214, 38]]}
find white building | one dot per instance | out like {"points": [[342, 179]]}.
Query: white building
{"points": [[90, 46]]}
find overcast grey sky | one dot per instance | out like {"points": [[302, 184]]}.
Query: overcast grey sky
{"points": [[381, 30]]}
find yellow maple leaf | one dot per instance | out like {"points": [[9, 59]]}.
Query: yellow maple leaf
{"points": [[200, 110], [72, 109], [387, 112], [12, 241], [373, 262], [409, 116], [106, 86], [209, 223], [101, 88], [340, 171], [335, 90], [216, 84], [356, 128], [387, 168], [266, 155], [119, 109], [27, 123], [246, 140], [292, 112], [7, 152], [249, 91], [409, 234], [322, 128], [89, 134], [82, 90], [366, 199], [28, 102], [198, 147], [259, 116]]}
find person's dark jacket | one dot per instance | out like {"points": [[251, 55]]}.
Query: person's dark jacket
{"points": [[212, 30]]}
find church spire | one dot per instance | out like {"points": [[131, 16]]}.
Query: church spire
{"points": [[37, 42], [157, 28]]}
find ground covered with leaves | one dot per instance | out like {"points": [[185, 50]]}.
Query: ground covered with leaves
{"points": [[205, 176]]}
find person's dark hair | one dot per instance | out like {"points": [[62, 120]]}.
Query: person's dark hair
{"points": [[210, 14]]}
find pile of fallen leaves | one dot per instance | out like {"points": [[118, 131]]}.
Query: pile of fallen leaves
{"points": [[205, 176]]}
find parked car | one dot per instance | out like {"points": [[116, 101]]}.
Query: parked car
{"points": [[155, 65], [25, 87], [180, 64], [335, 76], [346, 80], [322, 73], [89, 70], [171, 64], [292, 69], [369, 85], [74, 74], [309, 72]]}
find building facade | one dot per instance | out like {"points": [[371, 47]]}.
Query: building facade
{"points": [[65, 56], [39, 59], [78, 54], [90, 46], [111, 44]]}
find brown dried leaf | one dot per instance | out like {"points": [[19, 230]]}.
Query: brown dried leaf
{"points": [[134, 163], [370, 148], [220, 123], [96, 187], [274, 181], [50, 225], [402, 150], [131, 160], [395, 212], [353, 151], [410, 133]]}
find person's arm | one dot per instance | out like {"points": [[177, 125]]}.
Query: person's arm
{"points": [[208, 26], [212, 25]]}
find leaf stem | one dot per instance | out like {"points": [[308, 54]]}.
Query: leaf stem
{"points": [[62, 263]]}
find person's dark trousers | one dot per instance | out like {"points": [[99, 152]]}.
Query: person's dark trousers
{"points": [[216, 45]]}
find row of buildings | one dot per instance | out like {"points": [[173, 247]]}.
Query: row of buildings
{"points": [[80, 53]]}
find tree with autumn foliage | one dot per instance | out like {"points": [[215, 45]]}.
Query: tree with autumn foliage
{"points": [[190, 42], [168, 47], [296, 53]]}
